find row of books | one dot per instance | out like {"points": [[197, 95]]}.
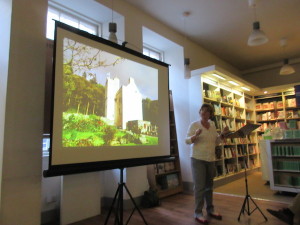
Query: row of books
{"points": [[285, 179], [270, 115], [168, 181], [160, 168], [285, 150], [234, 141], [291, 102], [269, 105], [286, 165]]}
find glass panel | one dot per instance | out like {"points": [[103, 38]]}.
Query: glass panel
{"points": [[155, 55], [88, 28], [69, 20]]}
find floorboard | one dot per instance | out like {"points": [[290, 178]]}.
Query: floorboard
{"points": [[178, 210]]}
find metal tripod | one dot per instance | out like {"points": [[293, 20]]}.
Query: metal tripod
{"points": [[119, 208], [246, 204]]}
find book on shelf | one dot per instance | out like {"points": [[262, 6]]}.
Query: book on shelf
{"points": [[279, 105], [243, 132], [280, 114], [172, 180]]}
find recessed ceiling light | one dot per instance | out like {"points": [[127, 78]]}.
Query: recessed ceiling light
{"points": [[247, 89], [232, 82], [218, 76]]}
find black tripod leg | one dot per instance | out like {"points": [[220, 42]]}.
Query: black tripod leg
{"points": [[135, 205], [112, 205], [258, 209], [242, 209]]}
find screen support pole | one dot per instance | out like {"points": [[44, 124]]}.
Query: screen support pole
{"points": [[119, 200]]}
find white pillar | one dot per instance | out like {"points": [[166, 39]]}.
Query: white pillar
{"points": [[22, 102]]}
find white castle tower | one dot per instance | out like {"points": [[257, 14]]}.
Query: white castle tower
{"points": [[112, 86], [128, 104]]}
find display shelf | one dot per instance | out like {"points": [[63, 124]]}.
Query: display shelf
{"points": [[274, 108], [234, 109], [284, 164], [166, 177]]}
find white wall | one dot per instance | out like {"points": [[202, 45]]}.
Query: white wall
{"points": [[5, 19], [271, 77], [22, 161]]}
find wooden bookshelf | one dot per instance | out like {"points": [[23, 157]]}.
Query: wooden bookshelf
{"points": [[166, 177]]}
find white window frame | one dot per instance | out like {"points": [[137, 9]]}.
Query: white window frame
{"points": [[77, 19], [150, 51]]}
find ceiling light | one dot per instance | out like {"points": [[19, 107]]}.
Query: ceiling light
{"points": [[246, 89], [112, 27], [218, 76], [286, 69], [232, 82], [265, 92], [187, 71], [257, 37], [112, 32]]}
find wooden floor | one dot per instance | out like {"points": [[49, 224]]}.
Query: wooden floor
{"points": [[178, 210]]}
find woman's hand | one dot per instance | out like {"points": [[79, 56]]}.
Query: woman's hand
{"points": [[198, 132], [196, 135], [225, 131]]}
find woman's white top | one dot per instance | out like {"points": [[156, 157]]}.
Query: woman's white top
{"points": [[204, 146]]}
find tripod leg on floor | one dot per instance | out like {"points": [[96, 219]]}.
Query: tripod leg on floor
{"points": [[112, 205], [258, 209], [135, 205], [243, 208]]}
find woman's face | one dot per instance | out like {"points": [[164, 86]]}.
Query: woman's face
{"points": [[205, 114]]}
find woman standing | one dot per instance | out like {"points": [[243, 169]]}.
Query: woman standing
{"points": [[203, 138]]}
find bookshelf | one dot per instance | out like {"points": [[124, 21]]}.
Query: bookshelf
{"points": [[277, 107], [233, 108], [166, 177], [284, 164]]}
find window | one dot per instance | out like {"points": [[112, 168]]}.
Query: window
{"points": [[153, 53], [72, 20]]}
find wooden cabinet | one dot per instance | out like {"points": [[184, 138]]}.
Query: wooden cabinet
{"points": [[284, 164], [166, 176]]}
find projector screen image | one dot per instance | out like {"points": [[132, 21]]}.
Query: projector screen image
{"points": [[110, 103]]}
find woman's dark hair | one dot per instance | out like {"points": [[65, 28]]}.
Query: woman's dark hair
{"points": [[209, 108]]}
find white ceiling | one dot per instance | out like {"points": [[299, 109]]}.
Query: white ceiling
{"points": [[223, 27]]}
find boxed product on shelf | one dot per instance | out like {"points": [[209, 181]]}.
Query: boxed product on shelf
{"points": [[291, 102], [258, 106], [279, 105], [172, 180], [266, 106]]}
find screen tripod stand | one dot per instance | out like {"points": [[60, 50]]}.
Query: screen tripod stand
{"points": [[246, 204], [119, 206]]}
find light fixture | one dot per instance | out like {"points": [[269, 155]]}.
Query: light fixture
{"points": [[286, 69], [187, 71], [257, 37], [245, 88], [218, 76], [234, 83], [112, 26]]}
